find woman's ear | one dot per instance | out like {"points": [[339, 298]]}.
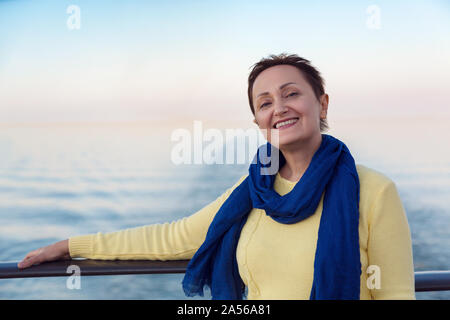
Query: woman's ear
{"points": [[254, 120], [324, 106]]}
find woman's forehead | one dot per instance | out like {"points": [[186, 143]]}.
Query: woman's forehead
{"points": [[274, 77]]}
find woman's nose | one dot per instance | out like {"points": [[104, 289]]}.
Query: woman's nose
{"points": [[280, 109]]}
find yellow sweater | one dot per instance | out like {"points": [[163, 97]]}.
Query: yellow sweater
{"points": [[276, 261]]}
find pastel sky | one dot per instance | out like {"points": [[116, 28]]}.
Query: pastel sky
{"points": [[165, 60]]}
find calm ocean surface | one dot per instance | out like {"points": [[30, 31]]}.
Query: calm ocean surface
{"points": [[57, 182]]}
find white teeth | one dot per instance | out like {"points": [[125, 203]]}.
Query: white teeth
{"points": [[280, 124]]}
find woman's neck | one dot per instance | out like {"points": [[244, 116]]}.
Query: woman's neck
{"points": [[298, 158]]}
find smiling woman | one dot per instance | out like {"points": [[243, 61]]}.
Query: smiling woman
{"points": [[314, 229]]}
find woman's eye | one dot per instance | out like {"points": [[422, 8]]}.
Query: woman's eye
{"points": [[289, 95]]}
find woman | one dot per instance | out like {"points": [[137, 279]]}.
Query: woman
{"points": [[320, 227]]}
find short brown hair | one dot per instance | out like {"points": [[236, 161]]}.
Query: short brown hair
{"points": [[311, 74]]}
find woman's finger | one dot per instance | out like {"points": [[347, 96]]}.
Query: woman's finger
{"points": [[24, 261], [35, 260], [31, 260], [29, 255]]}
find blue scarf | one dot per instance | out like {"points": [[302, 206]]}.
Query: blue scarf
{"points": [[337, 266]]}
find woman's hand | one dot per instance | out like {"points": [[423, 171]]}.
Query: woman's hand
{"points": [[56, 251]]}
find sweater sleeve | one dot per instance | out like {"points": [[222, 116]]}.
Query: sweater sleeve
{"points": [[389, 248], [168, 241]]}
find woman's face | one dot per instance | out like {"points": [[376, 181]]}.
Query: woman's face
{"points": [[280, 94]]}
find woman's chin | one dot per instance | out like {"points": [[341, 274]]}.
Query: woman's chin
{"points": [[289, 138], [282, 142], [288, 142]]}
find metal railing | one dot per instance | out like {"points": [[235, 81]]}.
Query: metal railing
{"points": [[424, 280]]}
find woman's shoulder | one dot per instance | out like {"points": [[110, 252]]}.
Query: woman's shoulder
{"points": [[374, 185], [372, 178]]}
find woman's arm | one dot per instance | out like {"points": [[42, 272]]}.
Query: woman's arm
{"points": [[389, 246], [169, 241]]}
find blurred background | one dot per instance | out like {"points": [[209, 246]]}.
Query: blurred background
{"points": [[91, 92]]}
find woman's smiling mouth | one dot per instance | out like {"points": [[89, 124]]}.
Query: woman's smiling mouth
{"points": [[283, 124]]}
